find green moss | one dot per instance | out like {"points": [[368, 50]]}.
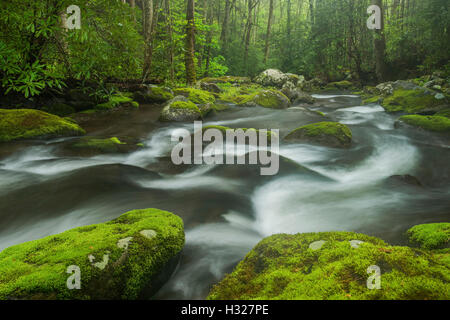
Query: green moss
{"points": [[284, 267], [196, 95], [444, 113], [117, 100], [430, 123], [185, 105], [271, 98], [102, 145], [374, 99], [28, 124], [340, 85], [37, 269], [410, 101], [160, 94], [327, 133], [226, 79], [430, 236]]}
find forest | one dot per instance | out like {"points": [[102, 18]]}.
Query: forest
{"points": [[333, 182]]}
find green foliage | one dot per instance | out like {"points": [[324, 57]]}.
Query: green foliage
{"points": [[285, 267], [29, 124], [430, 236]]}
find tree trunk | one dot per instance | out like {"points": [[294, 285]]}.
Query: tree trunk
{"points": [[248, 33], [269, 27], [379, 44], [190, 44], [223, 34], [148, 53], [170, 40]]}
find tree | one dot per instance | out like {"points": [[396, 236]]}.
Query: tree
{"points": [[379, 44], [148, 51], [269, 27], [190, 44]]}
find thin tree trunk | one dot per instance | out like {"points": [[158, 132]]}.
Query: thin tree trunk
{"points": [[379, 44], [190, 44], [170, 40], [148, 53], [269, 27]]}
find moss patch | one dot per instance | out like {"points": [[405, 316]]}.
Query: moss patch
{"points": [[444, 113], [37, 269], [110, 145], [29, 124], [272, 99], [285, 267], [117, 100], [410, 101], [430, 236], [430, 123], [332, 134], [196, 95], [226, 79]]}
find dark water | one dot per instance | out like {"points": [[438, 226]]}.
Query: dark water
{"points": [[228, 209]]}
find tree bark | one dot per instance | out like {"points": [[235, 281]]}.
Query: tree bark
{"points": [[148, 35], [269, 27], [190, 44], [379, 44]]}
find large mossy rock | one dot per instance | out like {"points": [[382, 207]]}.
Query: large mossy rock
{"points": [[121, 259], [410, 98], [429, 123], [272, 99], [91, 146], [197, 96], [153, 94], [430, 236], [331, 134], [272, 77], [31, 124], [340, 85], [334, 266], [180, 109]]}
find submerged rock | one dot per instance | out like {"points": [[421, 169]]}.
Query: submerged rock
{"points": [[332, 134], [120, 259], [430, 236], [31, 124], [285, 267], [180, 109]]}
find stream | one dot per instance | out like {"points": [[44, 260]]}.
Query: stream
{"points": [[228, 209]]}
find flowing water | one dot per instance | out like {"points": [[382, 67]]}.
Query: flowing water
{"points": [[228, 209]]}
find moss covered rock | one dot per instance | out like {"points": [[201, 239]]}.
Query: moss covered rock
{"points": [[332, 134], [180, 109], [340, 85], [334, 266], [444, 113], [197, 96], [29, 124], [93, 146], [121, 259], [430, 236], [272, 99], [429, 123], [272, 77], [412, 101], [118, 100], [153, 94], [227, 79]]}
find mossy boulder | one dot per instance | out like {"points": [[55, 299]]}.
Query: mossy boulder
{"points": [[93, 146], [331, 134], [272, 99], [429, 123], [121, 259], [180, 109], [430, 236], [340, 85], [153, 94], [272, 78], [197, 96], [334, 266], [32, 124], [227, 79], [413, 101], [118, 100]]}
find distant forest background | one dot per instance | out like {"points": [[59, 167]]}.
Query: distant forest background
{"points": [[178, 41]]}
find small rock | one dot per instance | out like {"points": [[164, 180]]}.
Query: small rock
{"points": [[356, 243], [149, 234], [316, 245]]}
